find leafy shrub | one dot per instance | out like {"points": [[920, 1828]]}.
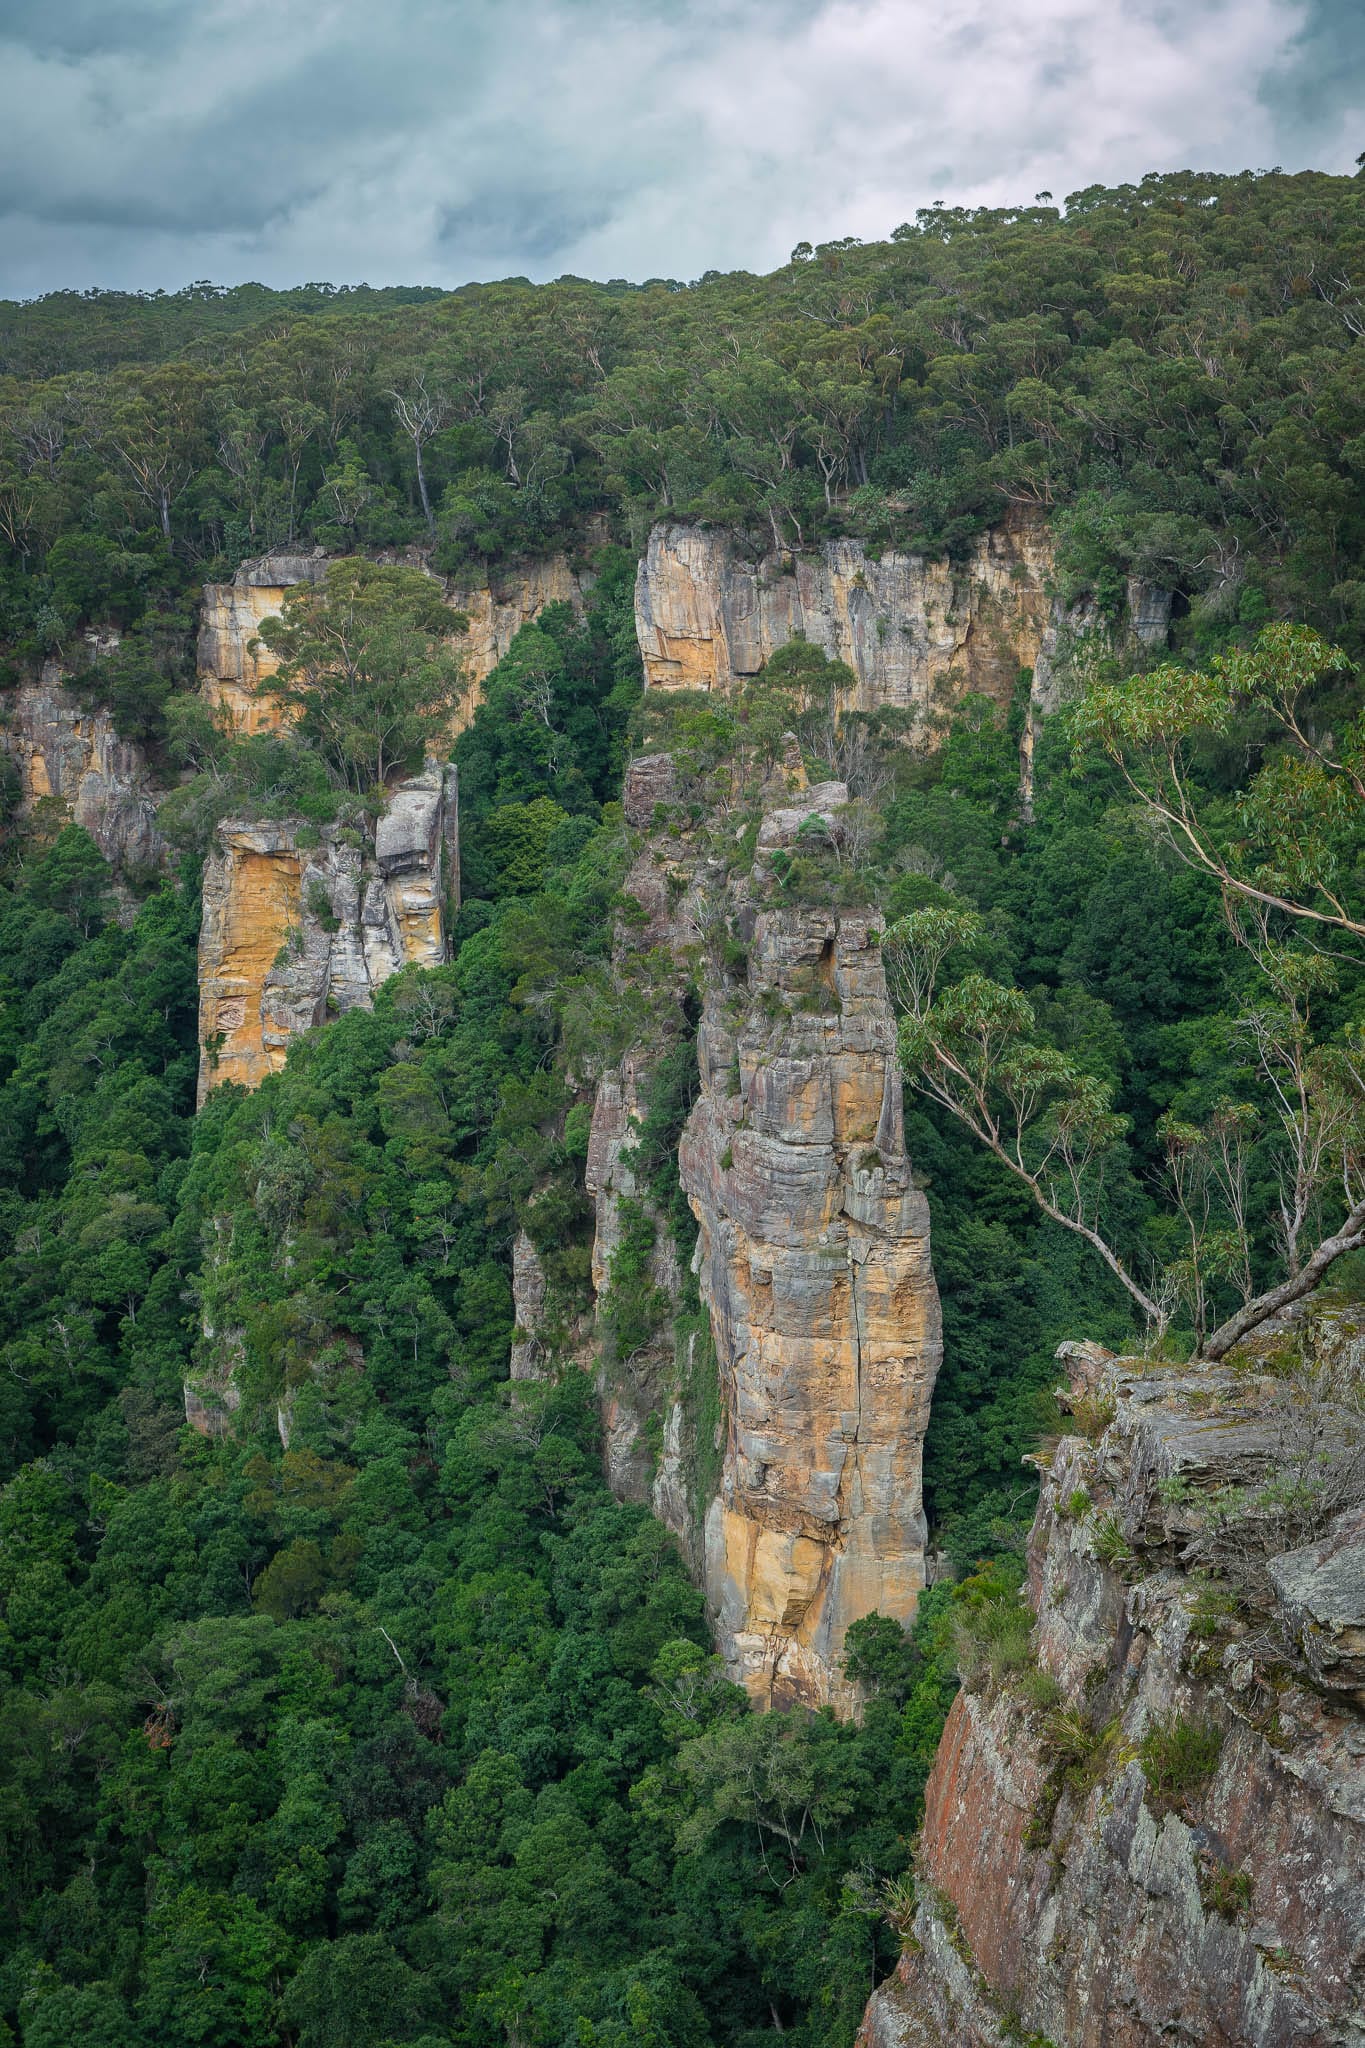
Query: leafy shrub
{"points": [[320, 906], [1067, 1736], [1213, 1607], [1037, 1690], [1111, 1545], [881, 1655], [993, 1641], [1091, 1414], [633, 1308]]}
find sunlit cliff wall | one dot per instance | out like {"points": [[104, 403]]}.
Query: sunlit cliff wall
{"points": [[292, 934], [231, 671], [919, 635]]}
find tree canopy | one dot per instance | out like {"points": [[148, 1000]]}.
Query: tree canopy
{"points": [[366, 667], [1167, 369]]}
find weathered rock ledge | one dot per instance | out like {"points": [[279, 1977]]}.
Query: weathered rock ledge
{"points": [[1065, 1898], [918, 634]]}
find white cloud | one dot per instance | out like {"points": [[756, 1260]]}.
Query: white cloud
{"points": [[438, 140]]}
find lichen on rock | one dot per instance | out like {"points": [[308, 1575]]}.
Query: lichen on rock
{"points": [[1174, 1849]]}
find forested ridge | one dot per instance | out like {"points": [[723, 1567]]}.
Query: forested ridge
{"points": [[377, 1719], [1170, 366]]}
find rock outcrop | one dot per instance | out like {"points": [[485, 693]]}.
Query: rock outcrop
{"points": [[814, 1263], [918, 634], [293, 932], [1174, 1850], [230, 617], [529, 1289], [1321, 1593], [76, 758], [648, 1424], [777, 1424], [231, 674]]}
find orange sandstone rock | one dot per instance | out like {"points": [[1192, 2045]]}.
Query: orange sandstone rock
{"points": [[918, 634], [814, 1264], [233, 665], [290, 933]]}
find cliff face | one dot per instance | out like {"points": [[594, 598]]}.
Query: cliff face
{"points": [[649, 1424], [292, 933], [75, 757], [497, 611], [106, 784], [1078, 1882], [918, 634], [814, 1263], [231, 615], [780, 1433]]}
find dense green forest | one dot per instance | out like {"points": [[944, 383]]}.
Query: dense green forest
{"points": [[376, 1719], [409, 1731], [1170, 368]]}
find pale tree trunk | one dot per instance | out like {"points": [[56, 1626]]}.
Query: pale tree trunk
{"points": [[1349, 1238]]}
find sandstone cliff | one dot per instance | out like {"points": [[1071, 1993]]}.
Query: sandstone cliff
{"points": [[230, 619], [1175, 1849], [292, 932], [814, 1263], [918, 634], [230, 616], [75, 758], [780, 1431]]}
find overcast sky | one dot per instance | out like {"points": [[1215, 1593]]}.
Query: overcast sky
{"points": [[146, 143]]}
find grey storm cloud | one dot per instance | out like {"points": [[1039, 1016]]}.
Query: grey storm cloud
{"points": [[439, 140]]}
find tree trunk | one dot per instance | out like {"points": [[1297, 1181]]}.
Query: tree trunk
{"points": [[1349, 1238]]}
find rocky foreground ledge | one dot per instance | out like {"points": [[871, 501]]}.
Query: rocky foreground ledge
{"points": [[1146, 1823]]}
